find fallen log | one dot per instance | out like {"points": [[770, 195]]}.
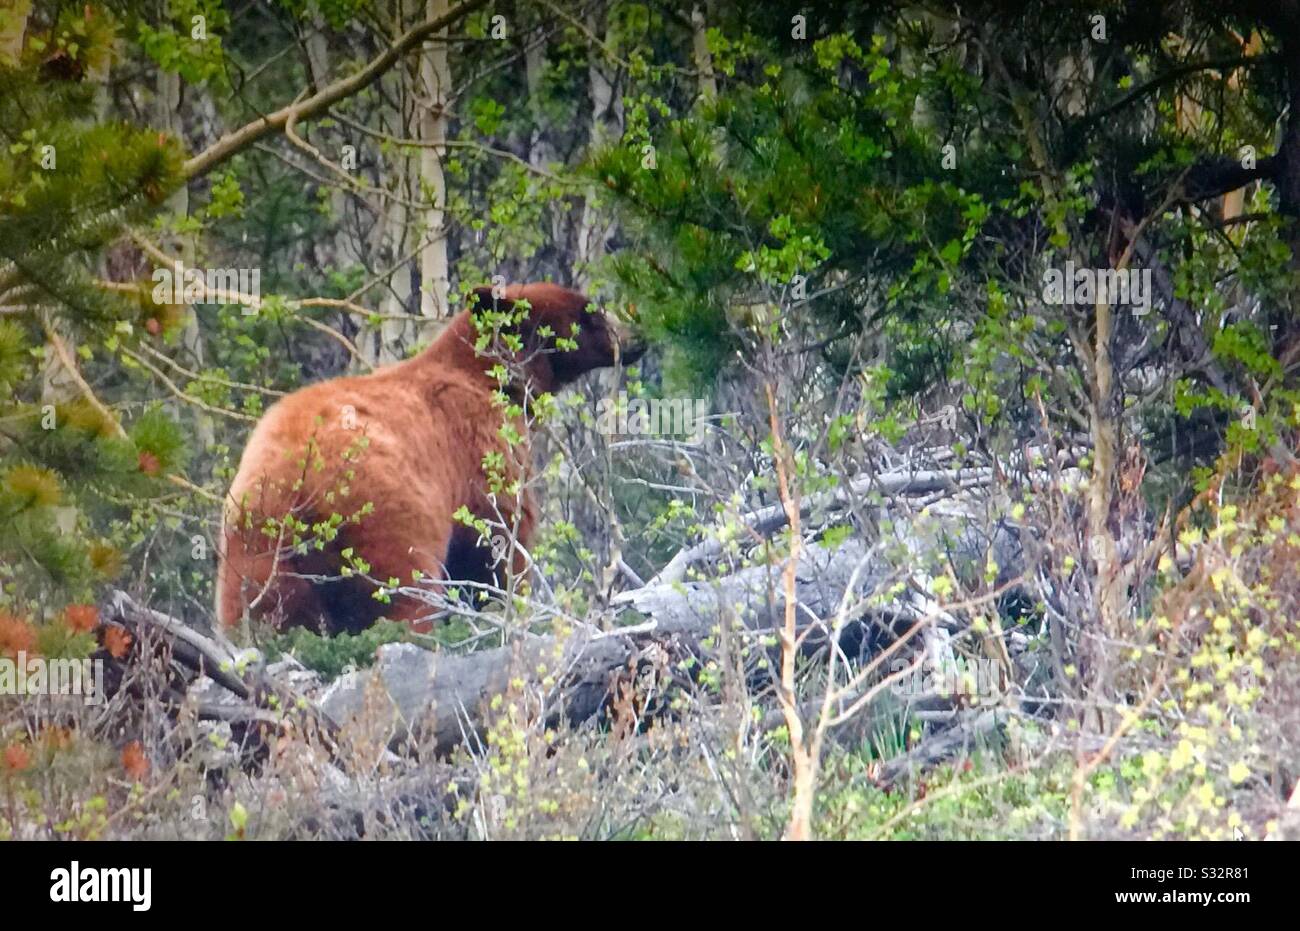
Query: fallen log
{"points": [[767, 521], [251, 695], [439, 696], [442, 699]]}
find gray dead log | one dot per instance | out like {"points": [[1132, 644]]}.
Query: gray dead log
{"points": [[266, 698], [755, 595], [443, 698], [768, 520], [971, 730]]}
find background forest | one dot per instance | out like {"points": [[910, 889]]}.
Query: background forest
{"points": [[959, 550]]}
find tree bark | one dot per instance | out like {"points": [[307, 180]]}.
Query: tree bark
{"points": [[700, 53], [13, 30], [167, 106], [595, 229], [435, 74]]}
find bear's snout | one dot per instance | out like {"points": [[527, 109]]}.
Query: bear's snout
{"points": [[628, 346]]}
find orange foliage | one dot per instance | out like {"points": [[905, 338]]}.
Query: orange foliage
{"points": [[149, 463], [117, 642], [82, 618], [16, 758], [16, 636], [134, 762]]}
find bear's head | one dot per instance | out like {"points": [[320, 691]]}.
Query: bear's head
{"points": [[554, 334]]}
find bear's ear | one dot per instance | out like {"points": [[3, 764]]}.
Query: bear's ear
{"points": [[519, 317], [482, 300], [484, 297]]}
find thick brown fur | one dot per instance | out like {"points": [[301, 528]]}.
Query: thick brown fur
{"points": [[405, 443]]}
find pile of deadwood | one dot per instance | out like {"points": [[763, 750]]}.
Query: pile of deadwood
{"points": [[440, 699]]}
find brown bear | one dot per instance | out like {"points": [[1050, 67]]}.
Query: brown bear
{"points": [[364, 476]]}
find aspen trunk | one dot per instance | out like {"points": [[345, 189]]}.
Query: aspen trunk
{"points": [[435, 75], [604, 86]]}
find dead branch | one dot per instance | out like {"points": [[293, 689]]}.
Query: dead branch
{"points": [[239, 139], [768, 520]]}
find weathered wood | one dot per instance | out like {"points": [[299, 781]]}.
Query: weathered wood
{"points": [[265, 699], [441, 696], [442, 699], [768, 520]]}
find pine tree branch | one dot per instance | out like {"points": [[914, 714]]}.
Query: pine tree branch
{"points": [[69, 364]]}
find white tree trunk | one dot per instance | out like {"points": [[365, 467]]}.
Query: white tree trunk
{"points": [[13, 28], [700, 52], [435, 74], [167, 103], [595, 229]]}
